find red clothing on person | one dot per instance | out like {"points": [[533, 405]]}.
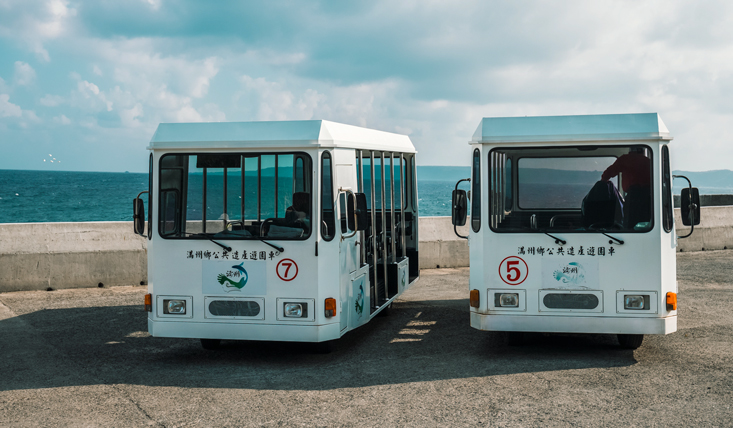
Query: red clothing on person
{"points": [[635, 167]]}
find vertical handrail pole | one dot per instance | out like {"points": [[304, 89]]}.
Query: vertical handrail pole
{"points": [[384, 227], [360, 172], [374, 230], [403, 200], [224, 217], [393, 226]]}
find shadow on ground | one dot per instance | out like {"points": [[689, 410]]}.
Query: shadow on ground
{"points": [[419, 341]]}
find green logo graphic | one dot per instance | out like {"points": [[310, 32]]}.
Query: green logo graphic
{"points": [[240, 273], [360, 297], [573, 273]]}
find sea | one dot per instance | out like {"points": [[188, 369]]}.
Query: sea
{"points": [[71, 196]]}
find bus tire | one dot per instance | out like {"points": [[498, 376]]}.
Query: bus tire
{"points": [[324, 347], [630, 341], [515, 338], [210, 344], [386, 311]]}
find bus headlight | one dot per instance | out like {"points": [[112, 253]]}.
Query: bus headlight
{"points": [[635, 301], [174, 307], [296, 310], [508, 300]]}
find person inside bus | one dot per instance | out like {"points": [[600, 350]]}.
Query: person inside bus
{"points": [[634, 169], [297, 214]]}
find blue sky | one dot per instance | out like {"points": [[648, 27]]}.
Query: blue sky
{"points": [[87, 82]]}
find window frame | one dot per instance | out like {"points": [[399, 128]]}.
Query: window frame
{"points": [[327, 154], [516, 192], [667, 198], [476, 191], [243, 155]]}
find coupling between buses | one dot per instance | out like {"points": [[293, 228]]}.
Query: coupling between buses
{"points": [[572, 226], [276, 231]]}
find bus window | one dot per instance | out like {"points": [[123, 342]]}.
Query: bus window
{"points": [[571, 189], [667, 208], [328, 220], [235, 197], [476, 192]]}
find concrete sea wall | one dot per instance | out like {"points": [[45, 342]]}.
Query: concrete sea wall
{"points": [[38, 256]]}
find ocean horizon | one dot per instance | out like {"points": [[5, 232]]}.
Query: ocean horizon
{"points": [[28, 196]]}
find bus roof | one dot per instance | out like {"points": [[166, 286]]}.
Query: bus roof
{"points": [[299, 134], [585, 128]]}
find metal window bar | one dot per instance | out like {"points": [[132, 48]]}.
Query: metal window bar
{"points": [[243, 192], [203, 213], [276, 171], [259, 187]]}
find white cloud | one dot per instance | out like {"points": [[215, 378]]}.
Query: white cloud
{"points": [[130, 116], [62, 120], [92, 95], [51, 100], [154, 4], [8, 109], [274, 102], [24, 73], [34, 22]]}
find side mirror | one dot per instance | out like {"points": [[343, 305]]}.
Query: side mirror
{"points": [[362, 221], [690, 206], [460, 208], [138, 216]]}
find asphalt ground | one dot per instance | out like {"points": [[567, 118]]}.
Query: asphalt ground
{"points": [[82, 357]]}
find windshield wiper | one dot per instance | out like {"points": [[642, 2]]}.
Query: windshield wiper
{"points": [[618, 241], [280, 249], [208, 236], [557, 240], [226, 232]]}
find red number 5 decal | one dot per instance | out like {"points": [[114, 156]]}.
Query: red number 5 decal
{"points": [[513, 270]]}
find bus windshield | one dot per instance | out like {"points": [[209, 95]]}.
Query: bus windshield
{"points": [[571, 189], [235, 196]]}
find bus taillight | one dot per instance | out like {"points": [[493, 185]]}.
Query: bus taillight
{"points": [[149, 302], [330, 307], [671, 301], [474, 298]]}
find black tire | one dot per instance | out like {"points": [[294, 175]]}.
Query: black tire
{"points": [[630, 341], [515, 338], [386, 311], [210, 344], [324, 347]]}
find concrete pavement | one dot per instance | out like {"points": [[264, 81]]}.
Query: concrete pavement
{"points": [[82, 357]]}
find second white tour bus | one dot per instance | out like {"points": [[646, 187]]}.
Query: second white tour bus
{"points": [[280, 231], [572, 226]]}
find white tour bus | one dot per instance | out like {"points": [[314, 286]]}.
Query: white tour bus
{"points": [[281, 231], [572, 226]]}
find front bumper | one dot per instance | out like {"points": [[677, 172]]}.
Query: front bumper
{"points": [[574, 324], [241, 331]]}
